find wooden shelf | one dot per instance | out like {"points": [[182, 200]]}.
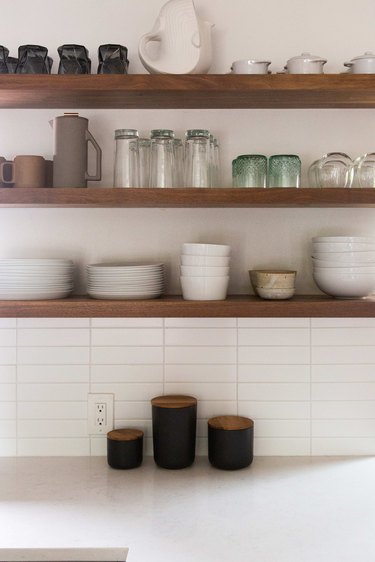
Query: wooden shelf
{"points": [[243, 306], [192, 197], [212, 91]]}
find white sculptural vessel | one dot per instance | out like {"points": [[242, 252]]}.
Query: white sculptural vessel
{"points": [[184, 41]]}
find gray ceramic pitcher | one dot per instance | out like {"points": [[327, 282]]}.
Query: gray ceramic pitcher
{"points": [[70, 151]]}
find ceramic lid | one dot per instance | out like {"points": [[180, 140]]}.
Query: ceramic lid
{"points": [[308, 57], [368, 55], [254, 61]]}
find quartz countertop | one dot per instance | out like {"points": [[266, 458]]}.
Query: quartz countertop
{"points": [[278, 510]]}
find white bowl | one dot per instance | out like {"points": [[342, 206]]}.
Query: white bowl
{"points": [[204, 271], [275, 294], [211, 261], [347, 257], [360, 239], [204, 288], [329, 264], [206, 250], [345, 284], [355, 269], [342, 247]]}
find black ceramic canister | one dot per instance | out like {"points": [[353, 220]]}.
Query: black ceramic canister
{"points": [[230, 442], [174, 420], [125, 448]]}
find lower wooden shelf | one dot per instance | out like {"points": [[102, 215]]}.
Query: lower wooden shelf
{"points": [[238, 306]]}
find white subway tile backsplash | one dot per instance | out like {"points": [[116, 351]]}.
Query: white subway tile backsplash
{"points": [[126, 373], [274, 373], [343, 391], [52, 410], [52, 392], [275, 410], [274, 336], [126, 355], [7, 337], [343, 428], [43, 337], [200, 323], [277, 355], [127, 322], [343, 410], [52, 428], [203, 355], [129, 391], [352, 355], [200, 373], [273, 322], [301, 404], [343, 336], [274, 391], [342, 446], [8, 447], [53, 355], [54, 447], [343, 373], [281, 446], [126, 337], [7, 374], [200, 336], [53, 373], [203, 391]]}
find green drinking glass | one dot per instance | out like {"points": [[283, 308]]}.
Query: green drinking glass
{"points": [[249, 170], [284, 170]]}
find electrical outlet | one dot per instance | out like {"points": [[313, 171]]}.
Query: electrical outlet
{"points": [[100, 413]]}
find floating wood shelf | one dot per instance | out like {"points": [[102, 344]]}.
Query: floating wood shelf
{"points": [[204, 91], [192, 197], [173, 307]]}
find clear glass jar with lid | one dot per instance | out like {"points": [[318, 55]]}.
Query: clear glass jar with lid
{"points": [[126, 172], [197, 158], [162, 158]]}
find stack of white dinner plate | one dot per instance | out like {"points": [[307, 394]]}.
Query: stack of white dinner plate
{"points": [[35, 279], [344, 266], [205, 271], [125, 280]]}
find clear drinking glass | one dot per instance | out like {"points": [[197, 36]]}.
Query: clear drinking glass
{"points": [[162, 158], [197, 158], [334, 170], [249, 170], [284, 170], [178, 169], [216, 174], [144, 162], [126, 158], [366, 170]]}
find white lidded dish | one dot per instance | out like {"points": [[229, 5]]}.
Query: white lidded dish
{"points": [[363, 64], [306, 63]]}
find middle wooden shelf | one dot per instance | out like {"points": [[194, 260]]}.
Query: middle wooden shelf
{"points": [[186, 197]]}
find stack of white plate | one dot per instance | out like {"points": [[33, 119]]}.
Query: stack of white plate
{"points": [[344, 266], [35, 279], [205, 271], [125, 280]]}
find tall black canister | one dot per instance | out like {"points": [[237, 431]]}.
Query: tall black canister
{"points": [[174, 421]]}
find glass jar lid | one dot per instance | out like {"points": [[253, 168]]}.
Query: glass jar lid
{"points": [[126, 133], [197, 133], [163, 133]]}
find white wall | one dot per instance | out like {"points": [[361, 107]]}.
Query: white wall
{"points": [[43, 401]]}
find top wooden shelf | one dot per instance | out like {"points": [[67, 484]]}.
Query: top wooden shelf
{"points": [[214, 91]]}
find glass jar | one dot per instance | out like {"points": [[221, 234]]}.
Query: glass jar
{"points": [[162, 158], [126, 158], [197, 158]]}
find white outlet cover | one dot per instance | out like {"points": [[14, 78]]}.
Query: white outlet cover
{"points": [[93, 400]]}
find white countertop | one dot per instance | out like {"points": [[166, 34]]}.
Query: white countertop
{"points": [[277, 510]]}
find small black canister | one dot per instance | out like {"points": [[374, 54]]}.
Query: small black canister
{"points": [[230, 442], [125, 448], [174, 420]]}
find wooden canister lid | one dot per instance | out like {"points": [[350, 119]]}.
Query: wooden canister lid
{"points": [[174, 401], [230, 423], [126, 434]]}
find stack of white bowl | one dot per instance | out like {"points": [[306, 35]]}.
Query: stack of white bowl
{"points": [[344, 266], [35, 279], [205, 271], [125, 281]]}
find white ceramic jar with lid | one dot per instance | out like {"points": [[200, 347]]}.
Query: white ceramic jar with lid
{"points": [[363, 64], [305, 63], [250, 66]]}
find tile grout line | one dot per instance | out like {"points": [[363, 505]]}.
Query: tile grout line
{"points": [[90, 379], [237, 357], [310, 336], [164, 367], [17, 387]]}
